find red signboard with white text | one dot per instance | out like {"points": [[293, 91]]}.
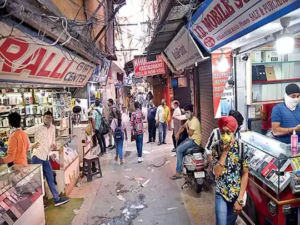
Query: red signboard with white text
{"points": [[218, 22], [142, 68], [222, 91], [22, 59]]}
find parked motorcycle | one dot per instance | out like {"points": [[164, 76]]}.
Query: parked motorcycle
{"points": [[194, 165]]}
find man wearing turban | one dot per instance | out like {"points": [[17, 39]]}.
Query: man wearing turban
{"points": [[286, 116], [231, 172]]}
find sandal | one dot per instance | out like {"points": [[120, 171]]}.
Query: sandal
{"points": [[176, 176], [121, 162], [117, 157]]}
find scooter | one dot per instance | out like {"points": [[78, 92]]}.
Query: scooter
{"points": [[194, 165]]}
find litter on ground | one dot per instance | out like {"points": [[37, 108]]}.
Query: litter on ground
{"points": [[172, 208], [145, 184], [121, 198]]}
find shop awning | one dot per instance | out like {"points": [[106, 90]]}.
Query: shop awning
{"points": [[116, 67], [167, 29]]}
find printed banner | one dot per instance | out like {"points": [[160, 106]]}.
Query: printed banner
{"points": [[23, 60], [183, 51], [218, 22], [142, 68], [222, 92]]}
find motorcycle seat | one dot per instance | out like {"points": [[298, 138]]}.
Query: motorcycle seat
{"points": [[194, 150]]}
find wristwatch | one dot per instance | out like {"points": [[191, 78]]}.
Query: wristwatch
{"points": [[240, 201]]}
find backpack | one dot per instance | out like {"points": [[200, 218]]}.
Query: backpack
{"points": [[104, 126], [118, 133]]}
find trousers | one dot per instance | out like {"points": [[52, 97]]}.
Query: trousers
{"points": [[152, 130], [101, 141]]}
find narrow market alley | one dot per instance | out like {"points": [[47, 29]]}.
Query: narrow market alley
{"points": [[142, 193]]}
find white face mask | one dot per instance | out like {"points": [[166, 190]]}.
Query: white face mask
{"points": [[291, 103]]}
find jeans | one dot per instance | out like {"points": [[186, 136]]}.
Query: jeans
{"points": [[101, 141], [152, 131], [119, 148], [162, 131], [48, 173], [139, 144], [181, 149], [224, 211]]}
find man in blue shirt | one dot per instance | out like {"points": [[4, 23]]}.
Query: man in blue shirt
{"points": [[96, 123], [286, 116], [151, 121]]}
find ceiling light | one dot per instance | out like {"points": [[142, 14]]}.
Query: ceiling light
{"points": [[285, 41], [223, 64]]}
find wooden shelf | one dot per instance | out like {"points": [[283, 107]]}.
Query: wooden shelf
{"points": [[275, 81]]}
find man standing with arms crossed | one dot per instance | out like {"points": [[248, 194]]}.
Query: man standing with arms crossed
{"points": [[45, 135]]}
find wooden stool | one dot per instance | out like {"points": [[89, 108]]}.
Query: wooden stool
{"points": [[89, 167]]}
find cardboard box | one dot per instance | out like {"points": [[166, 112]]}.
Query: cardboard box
{"points": [[270, 73]]}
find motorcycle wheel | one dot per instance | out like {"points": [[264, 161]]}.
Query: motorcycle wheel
{"points": [[197, 187]]}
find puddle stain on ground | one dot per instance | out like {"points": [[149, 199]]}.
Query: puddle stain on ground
{"points": [[129, 212]]}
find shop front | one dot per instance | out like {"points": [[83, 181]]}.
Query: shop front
{"points": [[255, 55], [35, 78]]}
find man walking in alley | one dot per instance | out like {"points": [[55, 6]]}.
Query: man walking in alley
{"points": [[45, 135], [112, 114], [162, 118], [96, 123], [193, 128], [151, 121], [137, 129]]}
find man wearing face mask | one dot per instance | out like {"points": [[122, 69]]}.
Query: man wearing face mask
{"points": [[162, 118], [45, 135], [193, 128], [286, 116]]}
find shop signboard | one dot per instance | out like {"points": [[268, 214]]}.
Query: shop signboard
{"points": [[183, 51], [218, 22], [142, 68], [222, 91], [23, 60]]}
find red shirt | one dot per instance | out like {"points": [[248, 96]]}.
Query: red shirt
{"points": [[267, 109]]}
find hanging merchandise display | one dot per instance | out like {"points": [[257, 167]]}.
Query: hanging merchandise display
{"points": [[222, 89]]}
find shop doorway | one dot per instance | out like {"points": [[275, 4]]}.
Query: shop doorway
{"points": [[158, 91]]}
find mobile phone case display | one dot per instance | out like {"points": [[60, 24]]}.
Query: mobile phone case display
{"points": [[65, 163], [273, 181], [269, 73], [21, 195], [61, 102]]}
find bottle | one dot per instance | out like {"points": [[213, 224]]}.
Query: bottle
{"points": [[294, 142]]}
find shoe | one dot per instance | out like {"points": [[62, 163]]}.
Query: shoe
{"points": [[148, 142], [173, 150], [121, 162], [164, 143], [159, 144], [109, 146], [45, 206], [112, 147], [61, 201], [140, 159], [117, 157]]}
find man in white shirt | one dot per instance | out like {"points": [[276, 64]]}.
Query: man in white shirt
{"points": [[45, 137], [176, 124]]}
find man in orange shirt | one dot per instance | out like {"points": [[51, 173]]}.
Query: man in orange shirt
{"points": [[18, 143]]}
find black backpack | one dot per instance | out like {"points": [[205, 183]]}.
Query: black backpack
{"points": [[104, 126]]}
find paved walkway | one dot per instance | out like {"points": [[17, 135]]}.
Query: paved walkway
{"points": [[119, 198]]}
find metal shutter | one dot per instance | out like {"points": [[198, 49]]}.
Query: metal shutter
{"points": [[208, 123]]}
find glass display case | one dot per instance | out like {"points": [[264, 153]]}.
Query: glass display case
{"points": [[20, 188], [270, 161], [66, 154], [274, 180]]}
